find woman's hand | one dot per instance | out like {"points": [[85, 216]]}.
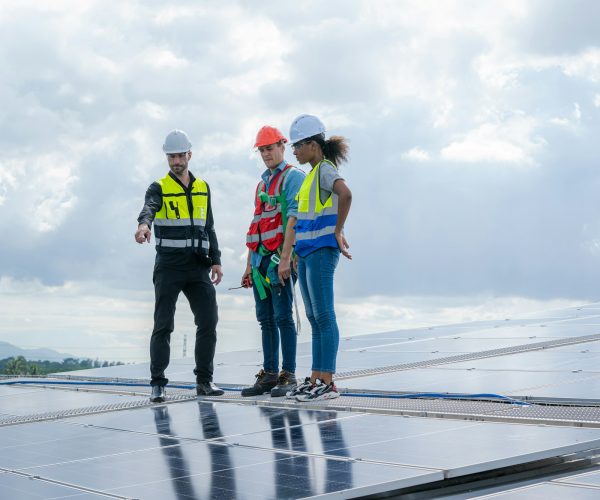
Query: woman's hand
{"points": [[343, 244]]}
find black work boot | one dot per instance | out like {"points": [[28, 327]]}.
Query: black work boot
{"points": [[208, 389], [265, 381], [158, 394], [285, 383]]}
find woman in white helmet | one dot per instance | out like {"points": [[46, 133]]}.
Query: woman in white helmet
{"points": [[323, 205]]}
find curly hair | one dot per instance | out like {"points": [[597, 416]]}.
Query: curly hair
{"points": [[335, 149]]}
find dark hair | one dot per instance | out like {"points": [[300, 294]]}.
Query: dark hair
{"points": [[335, 149]]}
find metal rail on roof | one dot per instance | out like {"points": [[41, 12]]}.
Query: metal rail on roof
{"points": [[469, 356]]}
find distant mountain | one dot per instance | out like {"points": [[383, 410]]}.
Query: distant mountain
{"points": [[8, 350]]}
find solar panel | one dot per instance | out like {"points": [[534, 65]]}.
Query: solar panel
{"points": [[149, 461], [17, 401], [547, 491], [587, 479], [111, 441], [13, 487]]}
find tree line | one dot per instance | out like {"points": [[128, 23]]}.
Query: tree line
{"points": [[20, 366]]}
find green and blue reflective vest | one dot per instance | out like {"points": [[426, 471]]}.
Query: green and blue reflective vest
{"points": [[316, 223]]}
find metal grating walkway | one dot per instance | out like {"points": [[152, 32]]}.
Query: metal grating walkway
{"points": [[464, 409]]}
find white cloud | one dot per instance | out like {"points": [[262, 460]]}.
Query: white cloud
{"points": [[592, 246], [496, 73], [42, 189], [597, 100], [153, 110], [561, 122], [256, 40], [163, 58], [584, 65], [442, 112], [502, 70], [259, 46], [378, 313], [53, 195], [250, 82], [512, 141], [434, 19], [416, 154], [175, 13], [571, 121], [97, 64], [8, 181]]}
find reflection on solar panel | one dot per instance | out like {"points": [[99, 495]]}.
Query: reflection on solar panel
{"points": [[429, 412]]}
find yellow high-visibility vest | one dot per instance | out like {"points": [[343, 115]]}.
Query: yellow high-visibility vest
{"points": [[174, 226]]}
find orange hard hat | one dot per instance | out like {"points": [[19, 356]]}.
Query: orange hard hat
{"points": [[268, 135]]}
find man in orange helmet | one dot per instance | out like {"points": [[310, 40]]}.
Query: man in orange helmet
{"points": [[268, 241]]}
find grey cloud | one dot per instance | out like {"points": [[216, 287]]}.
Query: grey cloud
{"points": [[436, 227], [443, 229], [554, 27]]}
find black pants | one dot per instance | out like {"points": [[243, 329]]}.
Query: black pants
{"points": [[200, 292]]}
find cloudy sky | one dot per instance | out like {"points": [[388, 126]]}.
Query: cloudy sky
{"points": [[474, 129]]}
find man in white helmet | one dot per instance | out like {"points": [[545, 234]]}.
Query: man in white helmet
{"points": [[187, 250]]}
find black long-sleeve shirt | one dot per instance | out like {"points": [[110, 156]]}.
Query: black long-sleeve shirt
{"points": [[180, 260]]}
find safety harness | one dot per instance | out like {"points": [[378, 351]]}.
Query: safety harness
{"points": [[278, 198]]}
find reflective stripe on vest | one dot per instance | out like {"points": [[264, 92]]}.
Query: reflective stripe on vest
{"points": [[165, 242], [316, 223], [174, 226], [266, 228], [179, 222]]}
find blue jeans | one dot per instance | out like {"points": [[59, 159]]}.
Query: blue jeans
{"points": [[315, 275], [274, 314]]}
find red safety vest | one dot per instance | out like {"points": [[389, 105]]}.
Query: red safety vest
{"points": [[266, 227]]}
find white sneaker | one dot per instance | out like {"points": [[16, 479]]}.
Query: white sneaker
{"points": [[320, 391], [300, 389]]}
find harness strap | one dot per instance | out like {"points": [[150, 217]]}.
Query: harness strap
{"points": [[262, 283]]}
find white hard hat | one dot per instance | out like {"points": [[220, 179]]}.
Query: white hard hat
{"points": [[177, 142], [305, 126]]}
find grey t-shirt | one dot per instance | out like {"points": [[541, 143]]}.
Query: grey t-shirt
{"points": [[328, 174]]}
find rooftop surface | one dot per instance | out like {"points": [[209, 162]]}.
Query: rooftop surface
{"points": [[495, 409]]}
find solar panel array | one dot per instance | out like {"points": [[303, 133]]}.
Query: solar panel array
{"points": [[73, 439]]}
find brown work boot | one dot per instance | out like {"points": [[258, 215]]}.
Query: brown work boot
{"points": [[265, 381], [285, 383]]}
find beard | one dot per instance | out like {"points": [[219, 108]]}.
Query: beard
{"points": [[177, 169]]}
